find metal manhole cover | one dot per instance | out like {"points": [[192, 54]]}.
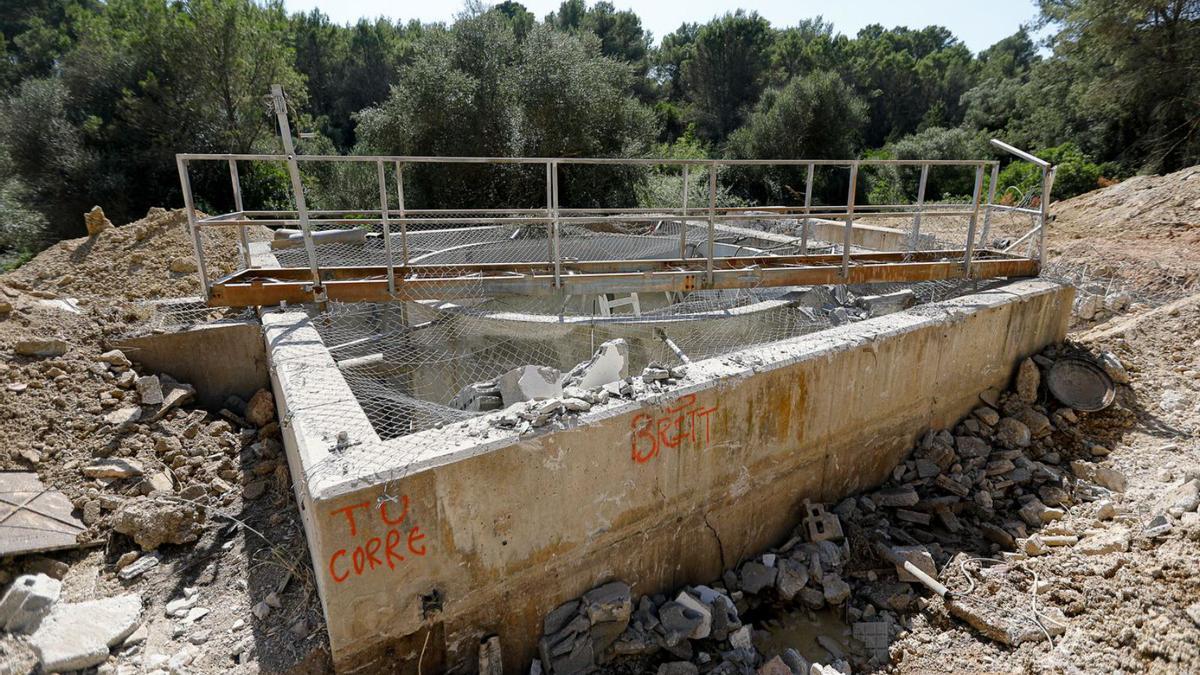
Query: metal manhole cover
{"points": [[1081, 384]]}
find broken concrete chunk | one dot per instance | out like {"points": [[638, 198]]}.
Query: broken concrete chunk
{"points": [[260, 410], [898, 496], [115, 358], [888, 303], [27, 601], [78, 635], [917, 555], [611, 602], [113, 467], [149, 390], [757, 576], [1113, 541], [704, 628], [478, 397], [152, 523], [1029, 378], [1013, 433], [791, 579], [41, 347], [610, 363], [836, 590], [529, 383], [1002, 626]]}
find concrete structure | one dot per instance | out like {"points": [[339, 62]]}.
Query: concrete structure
{"points": [[427, 543]]}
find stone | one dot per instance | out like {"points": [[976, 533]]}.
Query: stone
{"points": [[1114, 368], [182, 265], [27, 601], [260, 409], [887, 303], [139, 567], [260, 610], [836, 590], [812, 598], [724, 618], [998, 535], [1005, 627], [987, 415], [175, 394], [776, 666], [1105, 510], [78, 635], [254, 490], [917, 555], [1111, 478], [529, 383], [1038, 424], [678, 668], [1185, 498], [152, 523], [41, 347], [1013, 433], [795, 662], [610, 602], [899, 496], [115, 358], [558, 618], [1158, 526], [791, 579], [1029, 378], [678, 619], [95, 221], [705, 611], [609, 364], [113, 467], [755, 577], [124, 418], [1034, 545], [149, 390], [742, 638], [1113, 541]]}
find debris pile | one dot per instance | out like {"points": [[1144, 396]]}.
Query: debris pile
{"points": [[966, 509]]}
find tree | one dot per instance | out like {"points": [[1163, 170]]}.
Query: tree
{"points": [[816, 116], [726, 72]]}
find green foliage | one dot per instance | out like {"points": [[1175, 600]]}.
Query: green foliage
{"points": [[726, 71], [1074, 174], [813, 117], [896, 185]]}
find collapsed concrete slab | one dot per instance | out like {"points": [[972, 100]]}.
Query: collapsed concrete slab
{"points": [[427, 543]]}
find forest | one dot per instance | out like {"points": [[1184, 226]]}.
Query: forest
{"points": [[97, 97]]}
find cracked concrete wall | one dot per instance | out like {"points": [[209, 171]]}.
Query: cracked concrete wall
{"points": [[450, 535]]}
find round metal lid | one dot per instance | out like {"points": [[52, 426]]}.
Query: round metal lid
{"points": [[1081, 384]]}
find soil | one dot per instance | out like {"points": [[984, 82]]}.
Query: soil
{"points": [[1125, 610]]}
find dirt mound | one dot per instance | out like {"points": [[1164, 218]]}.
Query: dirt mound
{"points": [[151, 258], [1141, 235]]}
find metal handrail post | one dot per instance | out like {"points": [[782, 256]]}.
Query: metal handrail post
{"points": [[185, 183], [849, 221], [289, 150], [683, 224], [712, 220], [554, 230], [991, 201], [387, 228], [916, 228], [1047, 186], [236, 182], [970, 247], [808, 186], [403, 217]]}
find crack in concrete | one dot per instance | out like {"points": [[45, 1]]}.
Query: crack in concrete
{"points": [[720, 545]]}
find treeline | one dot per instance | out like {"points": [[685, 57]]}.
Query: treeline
{"points": [[97, 97]]}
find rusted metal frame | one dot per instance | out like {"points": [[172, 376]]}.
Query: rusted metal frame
{"points": [[236, 183], [683, 223], [970, 243], [712, 214], [387, 228], [606, 266], [401, 212], [189, 203], [849, 221], [916, 226], [285, 132], [808, 188], [991, 205], [375, 290]]}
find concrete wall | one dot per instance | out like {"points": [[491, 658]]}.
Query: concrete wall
{"points": [[427, 543], [220, 360]]}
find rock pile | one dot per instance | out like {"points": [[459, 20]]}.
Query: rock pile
{"points": [[998, 484]]}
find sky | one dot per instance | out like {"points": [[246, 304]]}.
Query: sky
{"points": [[978, 24]]}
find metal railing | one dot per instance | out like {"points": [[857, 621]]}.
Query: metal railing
{"points": [[553, 216]]}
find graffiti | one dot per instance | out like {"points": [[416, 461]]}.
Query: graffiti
{"points": [[684, 422], [401, 540]]}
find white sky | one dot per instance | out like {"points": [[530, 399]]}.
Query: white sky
{"points": [[978, 24]]}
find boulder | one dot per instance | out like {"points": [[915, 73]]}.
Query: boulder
{"points": [[95, 221]]}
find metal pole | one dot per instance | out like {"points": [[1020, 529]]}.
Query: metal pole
{"points": [[235, 180], [387, 228], [808, 185], [285, 131], [554, 228], [849, 221], [185, 183], [916, 229], [970, 247], [400, 210], [1047, 186], [712, 215], [683, 224], [987, 211]]}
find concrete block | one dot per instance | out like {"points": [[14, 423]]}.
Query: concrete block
{"points": [[78, 635], [27, 601], [705, 626], [610, 363], [529, 383]]}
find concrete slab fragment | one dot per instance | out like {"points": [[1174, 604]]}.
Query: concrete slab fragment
{"points": [[78, 635], [32, 518]]}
